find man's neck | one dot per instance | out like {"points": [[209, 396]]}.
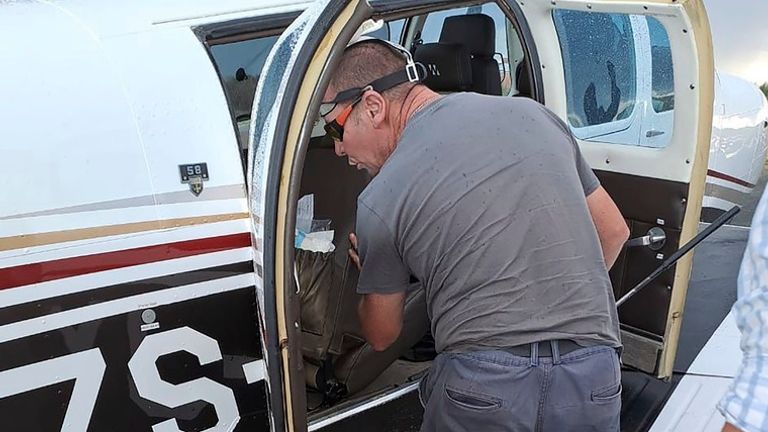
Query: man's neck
{"points": [[418, 98]]}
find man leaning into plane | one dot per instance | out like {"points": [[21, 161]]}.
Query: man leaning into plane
{"points": [[489, 203]]}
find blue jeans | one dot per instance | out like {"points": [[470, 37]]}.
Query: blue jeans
{"points": [[499, 391]]}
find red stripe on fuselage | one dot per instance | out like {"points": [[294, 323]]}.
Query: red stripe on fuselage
{"points": [[76, 266], [726, 177]]}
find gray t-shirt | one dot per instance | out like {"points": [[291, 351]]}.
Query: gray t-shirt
{"points": [[483, 201]]}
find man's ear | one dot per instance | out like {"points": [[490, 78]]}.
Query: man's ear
{"points": [[375, 107]]}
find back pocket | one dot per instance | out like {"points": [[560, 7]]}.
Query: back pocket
{"points": [[472, 400], [607, 394]]}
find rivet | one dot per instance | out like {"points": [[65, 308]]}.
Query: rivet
{"points": [[692, 86], [684, 200], [296, 324], [669, 287], [607, 161], [685, 30], [687, 161], [589, 6]]}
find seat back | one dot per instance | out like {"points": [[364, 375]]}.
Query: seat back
{"points": [[332, 342], [448, 66], [477, 32], [335, 185]]}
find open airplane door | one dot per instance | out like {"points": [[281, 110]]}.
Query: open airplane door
{"points": [[284, 114], [586, 59], [594, 62]]}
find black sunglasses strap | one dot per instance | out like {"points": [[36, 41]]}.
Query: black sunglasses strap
{"points": [[414, 72]]}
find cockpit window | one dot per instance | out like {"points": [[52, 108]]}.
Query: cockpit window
{"points": [[662, 78], [599, 60], [619, 80]]}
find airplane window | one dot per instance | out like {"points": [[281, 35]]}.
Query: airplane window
{"points": [[662, 77], [392, 32], [239, 65], [433, 26], [396, 30], [600, 72]]}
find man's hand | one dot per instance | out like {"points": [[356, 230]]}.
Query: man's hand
{"points": [[730, 428], [353, 255]]}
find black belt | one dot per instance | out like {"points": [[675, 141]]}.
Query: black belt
{"points": [[545, 348]]}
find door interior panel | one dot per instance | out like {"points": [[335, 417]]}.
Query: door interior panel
{"points": [[645, 203], [654, 297], [647, 199]]}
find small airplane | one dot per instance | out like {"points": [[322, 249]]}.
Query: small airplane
{"points": [[155, 157]]}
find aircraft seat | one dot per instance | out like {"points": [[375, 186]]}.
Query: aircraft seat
{"points": [[477, 32], [448, 66], [337, 359]]}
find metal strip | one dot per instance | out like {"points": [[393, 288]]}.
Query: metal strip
{"points": [[217, 193], [42, 239], [395, 394]]}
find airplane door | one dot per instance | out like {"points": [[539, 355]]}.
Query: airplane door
{"points": [[590, 72], [280, 127], [654, 187]]}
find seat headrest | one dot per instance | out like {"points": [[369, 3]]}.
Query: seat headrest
{"points": [[448, 66], [476, 31]]}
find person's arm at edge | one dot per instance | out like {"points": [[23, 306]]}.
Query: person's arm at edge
{"points": [[611, 228]]}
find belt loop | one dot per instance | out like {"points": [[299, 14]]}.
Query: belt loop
{"points": [[534, 354], [555, 352]]}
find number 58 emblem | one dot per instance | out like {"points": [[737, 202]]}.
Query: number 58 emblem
{"points": [[194, 175]]}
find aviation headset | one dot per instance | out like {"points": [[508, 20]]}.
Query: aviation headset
{"points": [[413, 72]]}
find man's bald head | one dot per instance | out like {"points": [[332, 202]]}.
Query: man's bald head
{"points": [[365, 62]]}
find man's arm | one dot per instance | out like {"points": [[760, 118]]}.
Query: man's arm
{"points": [[381, 315], [610, 225]]}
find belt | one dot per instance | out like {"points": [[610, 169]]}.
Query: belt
{"points": [[545, 348]]}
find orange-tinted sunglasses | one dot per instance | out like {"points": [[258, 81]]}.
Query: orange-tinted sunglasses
{"points": [[335, 128]]}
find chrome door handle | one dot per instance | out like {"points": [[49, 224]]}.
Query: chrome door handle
{"points": [[655, 239], [653, 133]]}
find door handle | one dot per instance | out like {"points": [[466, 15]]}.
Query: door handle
{"points": [[653, 133], [655, 239]]}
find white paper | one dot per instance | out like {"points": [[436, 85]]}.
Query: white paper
{"points": [[321, 241]]}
